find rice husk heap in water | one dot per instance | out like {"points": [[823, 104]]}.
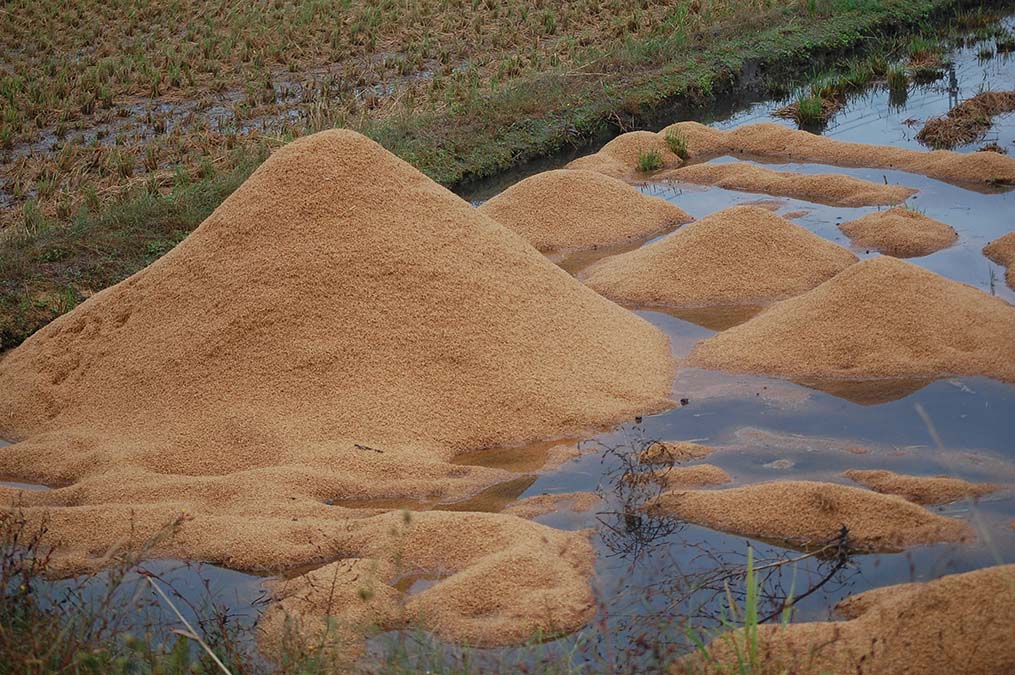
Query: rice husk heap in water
{"points": [[575, 210], [880, 318], [900, 232], [960, 623], [1002, 251], [338, 329], [741, 255]]}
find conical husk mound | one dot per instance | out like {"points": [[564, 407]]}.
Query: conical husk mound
{"points": [[741, 255], [1002, 251], [881, 318], [900, 232], [920, 489], [960, 623], [566, 210], [339, 328]]}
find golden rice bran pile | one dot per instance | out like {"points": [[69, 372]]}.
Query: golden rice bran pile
{"points": [[920, 489], [900, 232], [960, 623], [619, 158], [564, 211], [696, 475], [880, 318], [1002, 251], [834, 189], [807, 513], [672, 452], [740, 255], [339, 329]]}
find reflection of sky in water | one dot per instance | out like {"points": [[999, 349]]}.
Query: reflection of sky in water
{"points": [[645, 564]]}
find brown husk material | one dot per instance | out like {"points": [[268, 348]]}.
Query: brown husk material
{"points": [[1002, 251], [539, 505], [968, 121], [672, 452], [900, 232], [806, 513], [340, 328], [619, 157], [880, 318], [920, 489], [576, 210], [696, 475], [774, 141], [834, 189], [741, 255], [960, 623]]}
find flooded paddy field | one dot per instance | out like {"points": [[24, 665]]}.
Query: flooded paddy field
{"points": [[661, 581]]}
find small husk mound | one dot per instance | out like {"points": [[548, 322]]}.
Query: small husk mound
{"points": [[806, 513], [881, 318], [575, 210], [619, 158], [960, 623], [920, 489], [1002, 251], [968, 121], [741, 255], [672, 452], [539, 505], [339, 329], [982, 170], [835, 189], [696, 475], [900, 232]]}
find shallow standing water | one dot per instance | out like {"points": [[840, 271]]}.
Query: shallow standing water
{"points": [[651, 568]]}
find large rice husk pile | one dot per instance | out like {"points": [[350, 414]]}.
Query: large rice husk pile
{"points": [[920, 489], [769, 140], [806, 513], [900, 232], [575, 210], [834, 189], [1002, 251], [880, 318], [968, 121], [741, 255], [960, 623], [338, 329]]}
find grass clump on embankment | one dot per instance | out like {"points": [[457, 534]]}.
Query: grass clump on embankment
{"points": [[134, 131]]}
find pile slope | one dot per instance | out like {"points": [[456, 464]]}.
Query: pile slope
{"points": [[834, 189], [881, 318], [620, 157], [807, 513], [960, 623], [900, 232], [1002, 251], [338, 329], [741, 255], [979, 170], [562, 210]]}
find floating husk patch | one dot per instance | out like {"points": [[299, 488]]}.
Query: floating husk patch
{"points": [[823, 188], [340, 328], [920, 489], [741, 255], [960, 623], [968, 121], [1002, 251], [982, 170], [806, 513], [900, 232], [672, 452], [619, 158], [696, 475], [575, 210], [880, 318], [539, 505]]}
